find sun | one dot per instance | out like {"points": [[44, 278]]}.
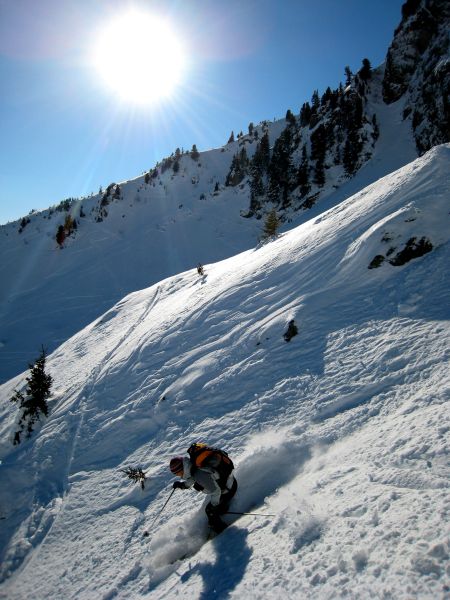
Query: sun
{"points": [[140, 58]]}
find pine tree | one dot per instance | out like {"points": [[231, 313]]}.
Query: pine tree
{"points": [[136, 474], [238, 168], [303, 173], [233, 167], [319, 173], [280, 169], [243, 158], [319, 143], [60, 236], [258, 169], [34, 402], [326, 96], [264, 152], [194, 152], [305, 114], [290, 117], [257, 189], [315, 100], [365, 72], [23, 223], [271, 225], [334, 99], [348, 76], [352, 149], [231, 138], [315, 110]]}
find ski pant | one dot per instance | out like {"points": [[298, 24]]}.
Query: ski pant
{"points": [[213, 512]]}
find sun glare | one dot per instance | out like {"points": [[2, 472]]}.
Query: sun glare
{"points": [[140, 58]]}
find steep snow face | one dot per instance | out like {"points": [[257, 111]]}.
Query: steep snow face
{"points": [[341, 433], [148, 229], [151, 231]]}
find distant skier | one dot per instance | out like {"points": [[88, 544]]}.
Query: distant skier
{"points": [[208, 470], [200, 269]]}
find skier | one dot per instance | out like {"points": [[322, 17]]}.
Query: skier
{"points": [[200, 270], [208, 470]]}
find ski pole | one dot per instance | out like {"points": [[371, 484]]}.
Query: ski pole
{"points": [[146, 533], [230, 512]]}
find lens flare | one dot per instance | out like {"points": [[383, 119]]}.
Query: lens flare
{"points": [[140, 57]]}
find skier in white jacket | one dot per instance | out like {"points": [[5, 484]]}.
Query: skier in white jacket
{"points": [[209, 471]]}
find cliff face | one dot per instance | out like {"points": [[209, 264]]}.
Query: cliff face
{"points": [[418, 68]]}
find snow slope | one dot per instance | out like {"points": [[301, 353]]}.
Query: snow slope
{"points": [[342, 433], [152, 231], [160, 229]]}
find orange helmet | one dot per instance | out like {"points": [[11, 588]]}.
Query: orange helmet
{"points": [[176, 466]]}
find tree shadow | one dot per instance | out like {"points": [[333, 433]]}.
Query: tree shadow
{"points": [[232, 557]]}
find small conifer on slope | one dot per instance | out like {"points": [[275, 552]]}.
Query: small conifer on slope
{"points": [[271, 225], [33, 401]]}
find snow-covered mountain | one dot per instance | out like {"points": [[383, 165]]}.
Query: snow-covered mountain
{"points": [[342, 433], [418, 69], [181, 212]]}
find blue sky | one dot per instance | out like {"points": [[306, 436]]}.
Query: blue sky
{"points": [[64, 133]]}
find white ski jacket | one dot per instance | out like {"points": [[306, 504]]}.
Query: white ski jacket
{"points": [[207, 478]]}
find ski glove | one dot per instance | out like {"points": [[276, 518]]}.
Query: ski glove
{"points": [[179, 485]]}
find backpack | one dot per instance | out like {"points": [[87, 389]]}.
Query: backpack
{"points": [[202, 455]]}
